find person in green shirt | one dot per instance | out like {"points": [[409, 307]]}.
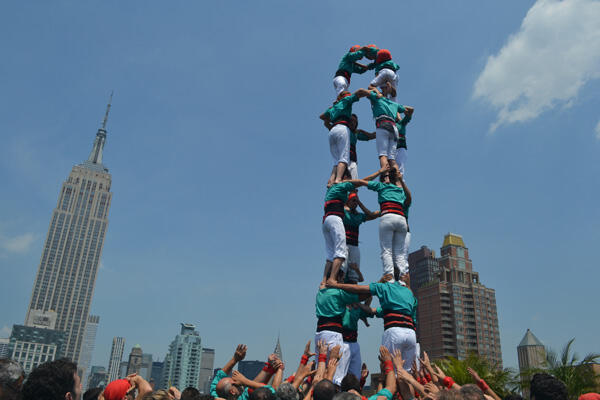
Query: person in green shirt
{"points": [[398, 308], [330, 306], [353, 314], [236, 387], [349, 65], [385, 71], [394, 200], [356, 135], [352, 221], [337, 119], [401, 154], [385, 113]]}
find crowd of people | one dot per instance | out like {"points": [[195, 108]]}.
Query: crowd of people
{"points": [[313, 379], [336, 372]]}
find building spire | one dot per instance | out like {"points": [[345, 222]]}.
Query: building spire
{"points": [[96, 153], [107, 110]]}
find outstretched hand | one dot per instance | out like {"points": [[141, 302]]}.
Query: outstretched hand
{"points": [[384, 354], [238, 378], [473, 374], [336, 352], [322, 347], [307, 351], [240, 352], [397, 359]]}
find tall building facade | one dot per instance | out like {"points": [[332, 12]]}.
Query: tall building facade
{"points": [[157, 374], [87, 348], [134, 365], [31, 346], [206, 370], [456, 313], [116, 356], [98, 378], [182, 362], [66, 276], [250, 368]]}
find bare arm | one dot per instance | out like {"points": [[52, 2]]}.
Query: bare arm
{"points": [[357, 270], [322, 347], [390, 377], [278, 377], [240, 379], [370, 135], [375, 175], [358, 182], [238, 355], [358, 289], [143, 387], [408, 200], [370, 215], [326, 121], [482, 384]]}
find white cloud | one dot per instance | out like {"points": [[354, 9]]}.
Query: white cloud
{"points": [[598, 130], [5, 331], [545, 64], [17, 244]]}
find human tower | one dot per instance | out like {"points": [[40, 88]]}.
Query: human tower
{"points": [[341, 302]]}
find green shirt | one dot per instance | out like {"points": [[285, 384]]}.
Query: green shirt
{"points": [[401, 126], [354, 137], [387, 192], [332, 302], [351, 317], [342, 109], [348, 62], [394, 296], [384, 106], [383, 392], [339, 191], [246, 394], [386, 64], [354, 218]]}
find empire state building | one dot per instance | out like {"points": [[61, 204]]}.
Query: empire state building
{"points": [[65, 280]]}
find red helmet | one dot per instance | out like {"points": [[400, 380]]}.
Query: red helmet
{"points": [[355, 48], [383, 55]]}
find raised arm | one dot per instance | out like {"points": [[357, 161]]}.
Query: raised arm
{"points": [[370, 214], [390, 377], [238, 355], [358, 182], [485, 388], [368, 135], [143, 387], [240, 379], [375, 174], [408, 200], [268, 370]]}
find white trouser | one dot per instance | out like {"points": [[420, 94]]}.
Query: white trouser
{"points": [[339, 144], [392, 236], [385, 141], [406, 249], [384, 76], [335, 237], [353, 169], [333, 339], [355, 362], [353, 258], [401, 157], [404, 339], [340, 84]]}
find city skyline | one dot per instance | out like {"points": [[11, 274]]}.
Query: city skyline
{"points": [[189, 243]]}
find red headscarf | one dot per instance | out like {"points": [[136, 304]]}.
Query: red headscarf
{"points": [[355, 48], [116, 390]]}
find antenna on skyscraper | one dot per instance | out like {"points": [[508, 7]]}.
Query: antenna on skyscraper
{"points": [[107, 110]]}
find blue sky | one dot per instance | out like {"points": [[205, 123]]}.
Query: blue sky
{"points": [[219, 161]]}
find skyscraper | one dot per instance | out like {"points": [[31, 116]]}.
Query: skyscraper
{"points": [[182, 362], [31, 346], [277, 350], [87, 348], [456, 313], [206, 370], [250, 368], [116, 355], [134, 365], [66, 276]]}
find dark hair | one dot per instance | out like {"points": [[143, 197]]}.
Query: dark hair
{"points": [[50, 381], [11, 379], [92, 394], [346, 396], [206, 397], [451, 394], [546, 387], [324, 390], [471, 392], [350, 382], [513, 396], [287, 391], [262, 393], [190, 393]]}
